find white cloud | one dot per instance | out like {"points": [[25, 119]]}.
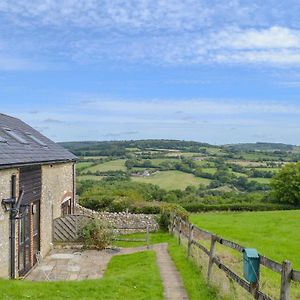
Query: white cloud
{"points": [[142, 14], [269, 38], [193, 107], [171, 32]]}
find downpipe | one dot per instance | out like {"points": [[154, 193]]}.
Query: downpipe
{"points": [[13, 206]]}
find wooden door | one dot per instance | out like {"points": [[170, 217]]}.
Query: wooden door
{"points": [[29, 223], [24, 241]]}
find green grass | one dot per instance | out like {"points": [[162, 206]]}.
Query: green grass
{"points": [[274, 234], [209, 170], [276, 169], [156, 161], [113, 165], [194, 283], [204, 162], [82, 165], [93, 157], [170, 180], [133, 276], [89, 177], [261, 180]]}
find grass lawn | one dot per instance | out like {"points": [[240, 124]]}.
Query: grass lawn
{"points": [[133, 276], [113, 165], [191, 275], [273, 234], [171, 180]]}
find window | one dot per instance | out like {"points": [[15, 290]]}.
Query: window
{"points": [[66, 207], [15, 136], [35, 139]]}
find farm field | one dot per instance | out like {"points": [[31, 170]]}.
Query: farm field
{"points": [[89, 177], [114, 165], [133, 276], [261, 180], [83, 165], [233, 175], [273, 234], [172, 180]]}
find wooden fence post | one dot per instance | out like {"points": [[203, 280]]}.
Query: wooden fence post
{"points": [[179, 235], [286, 275], [211, 256], [191, 229], [173, 224], [147, 236]]}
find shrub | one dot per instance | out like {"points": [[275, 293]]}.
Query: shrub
{"points": [[97, 234], [166, 213], [286, 184]]}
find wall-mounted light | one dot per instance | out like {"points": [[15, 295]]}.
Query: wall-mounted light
{"points": [[8, 203]]}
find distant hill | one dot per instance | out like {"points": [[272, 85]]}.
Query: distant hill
{"points": [[260, 146], [119, 147]]}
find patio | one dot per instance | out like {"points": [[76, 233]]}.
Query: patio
{"points": [[71, 264]]}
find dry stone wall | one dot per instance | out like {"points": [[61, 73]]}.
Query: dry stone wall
{"points": [[122, 219]]}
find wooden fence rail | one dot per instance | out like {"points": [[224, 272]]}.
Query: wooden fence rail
{"points": [[146, 239], [192, 232]]}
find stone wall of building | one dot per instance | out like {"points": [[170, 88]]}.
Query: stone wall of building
{"points": [[57, 185], [5, 192], [122, 219]]}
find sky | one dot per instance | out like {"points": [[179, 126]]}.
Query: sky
{"points": [[205, 70]]}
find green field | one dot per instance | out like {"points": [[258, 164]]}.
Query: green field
{"points": [[89, 177], [93, 157], [172, 180], [82, 165], [274, 234], [209, 170], [157, 161], [261, 180], [133, 276], [114, 165]]}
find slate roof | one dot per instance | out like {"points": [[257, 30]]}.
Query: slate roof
{"points": [[28, 147]]}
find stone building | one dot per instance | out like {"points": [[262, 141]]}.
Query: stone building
{"points": [[37, 184]]}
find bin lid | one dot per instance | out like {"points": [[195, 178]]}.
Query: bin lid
{"points": [[251, 252]]}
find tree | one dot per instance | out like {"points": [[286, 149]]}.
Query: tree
{"points": [[286, 184]]}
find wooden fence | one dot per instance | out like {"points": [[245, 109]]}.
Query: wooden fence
{"points": [[66, 228], [189, 231], [126, 230]]}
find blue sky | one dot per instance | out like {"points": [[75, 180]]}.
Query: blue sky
{"points": [[204, 70]]}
